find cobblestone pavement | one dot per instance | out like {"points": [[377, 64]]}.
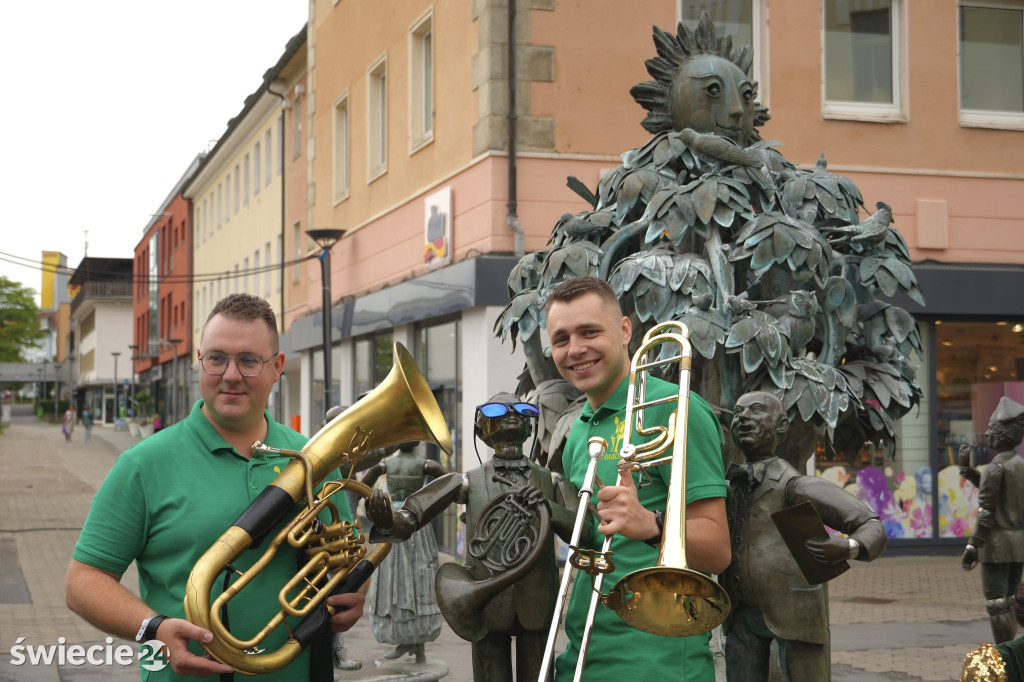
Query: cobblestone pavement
{"points": [[898, 618]]}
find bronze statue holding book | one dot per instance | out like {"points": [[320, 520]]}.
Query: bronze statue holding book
{"points": [[779, 594]]}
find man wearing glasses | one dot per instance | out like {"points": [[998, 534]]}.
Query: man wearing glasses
{"points": [[167, 500], [497, 543]]}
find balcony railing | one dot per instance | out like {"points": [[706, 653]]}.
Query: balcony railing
{"points": [[107, 291]]}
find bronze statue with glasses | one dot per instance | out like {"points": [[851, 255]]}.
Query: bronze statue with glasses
{"points": [[507, 587]]}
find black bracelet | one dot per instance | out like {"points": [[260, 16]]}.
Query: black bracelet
{"points": [[148, 632], [659, 518]]}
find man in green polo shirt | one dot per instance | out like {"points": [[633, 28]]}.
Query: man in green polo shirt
{"points": [[589, 344], [167, 500]]}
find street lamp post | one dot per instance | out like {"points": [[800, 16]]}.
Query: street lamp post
{"points": [[56, 391], [131, 394], [326, 238], [116, 354]]}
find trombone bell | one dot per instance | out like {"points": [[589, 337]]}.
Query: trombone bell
{"points": [[668, 601]]}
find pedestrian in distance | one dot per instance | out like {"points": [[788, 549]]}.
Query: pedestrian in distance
{"points": [[68, 423], [87, 421]]}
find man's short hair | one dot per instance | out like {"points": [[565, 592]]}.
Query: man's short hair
{"points": [[248, 308], [571, 289]]}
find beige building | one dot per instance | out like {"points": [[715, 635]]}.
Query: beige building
{"points": [[408, 114], [239, 195]]}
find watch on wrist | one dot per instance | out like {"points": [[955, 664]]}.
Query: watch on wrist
{"points": [[659, 518], [854, 548], [147, 631]]}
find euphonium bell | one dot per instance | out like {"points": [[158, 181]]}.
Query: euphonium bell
{"points": [[401, 409]]}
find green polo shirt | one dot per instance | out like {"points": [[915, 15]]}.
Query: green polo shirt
{"points": [[167, 499], [617, 651]]}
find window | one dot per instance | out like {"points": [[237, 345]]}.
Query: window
{"points": [[372, 362], [377, 102], [421, 82], [296, 128], [237, 182], [862, 64], [245, 183], [992, 65], [266, 275], [744, 21], [299, 252], [341, 147], [256, 169], [256, 272], [280, 145], [220, 208], [227, 197], [269, 151], [245, 275]]}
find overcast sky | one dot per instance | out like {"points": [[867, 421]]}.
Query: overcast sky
{"points": [[105, 105]]}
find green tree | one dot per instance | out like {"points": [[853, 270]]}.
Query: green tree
{"points": [[19, 320]]}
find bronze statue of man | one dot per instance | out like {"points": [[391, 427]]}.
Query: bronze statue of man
{"points": [[495, 494], [998, 538], [772, 600]]}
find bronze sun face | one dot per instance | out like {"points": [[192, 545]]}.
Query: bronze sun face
{"points": [[712, 95]]}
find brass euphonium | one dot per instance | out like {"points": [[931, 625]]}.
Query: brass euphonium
{"points": [[401, 409], [668, 598]]}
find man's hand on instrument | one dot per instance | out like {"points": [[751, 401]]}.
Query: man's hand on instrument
{"points": [[348, 609], [621, 511], [378, 510], [530, 495], [175, 633]]}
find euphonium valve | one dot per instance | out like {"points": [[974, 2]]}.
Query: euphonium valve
{"points": [[401, 409]]}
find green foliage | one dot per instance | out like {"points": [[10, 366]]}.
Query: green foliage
{"points": [[19, 320]]}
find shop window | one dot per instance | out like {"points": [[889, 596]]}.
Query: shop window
{"points": [[895, 480], [437, 354], [372, 362], [992, 65], [976, 364], [862, 59]]}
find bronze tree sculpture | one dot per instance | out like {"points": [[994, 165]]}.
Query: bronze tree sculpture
{"points": [[782, 284]]}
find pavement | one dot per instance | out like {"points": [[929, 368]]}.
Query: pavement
{"points": [[898, 618]]}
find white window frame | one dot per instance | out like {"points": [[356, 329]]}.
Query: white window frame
{"points": [[237, 187], [245, 179], [256, 169], [377, 118], [758, 42], [421, 82], [341, 160], [897, 111], [268, 171], [982, 118], [296, 115]]}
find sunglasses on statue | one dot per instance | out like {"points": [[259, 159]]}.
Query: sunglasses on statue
{"points": [[491, 410]]}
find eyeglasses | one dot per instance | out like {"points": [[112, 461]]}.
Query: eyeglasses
{"points": [[491, 410], [216, 363]]}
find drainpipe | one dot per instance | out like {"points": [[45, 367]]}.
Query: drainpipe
{"points": [[281, 151], [512, 219], [279, 402]]}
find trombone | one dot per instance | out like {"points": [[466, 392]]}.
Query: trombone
{"points": [[668, 598]]}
